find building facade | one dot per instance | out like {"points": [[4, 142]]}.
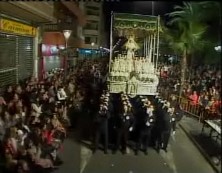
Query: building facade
{"points": [[24, 27], [94, 28]]}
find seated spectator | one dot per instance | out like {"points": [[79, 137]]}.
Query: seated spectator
{"points": [[36, 108], [2, 130], [61, 94], [11, 150], [8, 96]]}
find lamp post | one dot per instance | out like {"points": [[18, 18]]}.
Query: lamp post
{"points": [[153, 7], [67, 34], [92, 44]]}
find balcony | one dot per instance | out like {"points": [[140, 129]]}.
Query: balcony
{"points": [[89, 46], [30, 11], [51, 28], [94, 4], [90, 32], [93, 17], [59, 27]]}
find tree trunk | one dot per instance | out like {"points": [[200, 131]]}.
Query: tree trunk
{"points": [[183, 71]]}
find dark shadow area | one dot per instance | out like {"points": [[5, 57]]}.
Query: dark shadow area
{"points": [[208, 145]]}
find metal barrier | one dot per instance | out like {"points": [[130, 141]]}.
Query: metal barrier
{"points": [[188, 107]]}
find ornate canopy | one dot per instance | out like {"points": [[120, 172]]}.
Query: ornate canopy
{"points": [[133, 24]]}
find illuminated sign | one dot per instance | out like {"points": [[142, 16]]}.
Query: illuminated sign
{"points": [[51, 50], [17, 28]]}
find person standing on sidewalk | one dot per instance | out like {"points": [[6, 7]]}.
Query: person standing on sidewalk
{"points": [[173, 119], [165, 135], [158, 126]]}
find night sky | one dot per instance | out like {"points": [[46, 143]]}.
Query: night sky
{"points": [[138, 7]]}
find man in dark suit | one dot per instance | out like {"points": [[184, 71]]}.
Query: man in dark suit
{"points": [[159, 113], [165, 134], [101, 127], [145, 122], [124, 124]]}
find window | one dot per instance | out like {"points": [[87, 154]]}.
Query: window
{"points": [[87, 40], [93, 8], [91, 39], [92, 12], [94, 40], [92, 25]]}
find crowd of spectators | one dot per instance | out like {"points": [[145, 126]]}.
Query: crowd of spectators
{"points": [[202, 86], [35, 116]]}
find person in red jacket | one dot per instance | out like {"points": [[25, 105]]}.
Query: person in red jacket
{"points": [[194, 98]]}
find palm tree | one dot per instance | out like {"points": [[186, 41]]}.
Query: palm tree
{"points": [[211, 15], [185, 33]]}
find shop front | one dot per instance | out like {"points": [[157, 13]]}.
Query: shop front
{"points": [[50, 57], [89, 53], [16, 51], [52, 44]]}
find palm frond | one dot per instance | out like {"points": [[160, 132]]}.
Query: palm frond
{"points": [[177, 7]]}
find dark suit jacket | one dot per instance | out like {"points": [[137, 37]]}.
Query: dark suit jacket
{"points": [[124, 121], [143, 118], [101, 119]]}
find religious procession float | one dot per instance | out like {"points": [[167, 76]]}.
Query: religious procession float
{"points": [[133, 70]]}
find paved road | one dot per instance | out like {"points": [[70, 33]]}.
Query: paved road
{"points": [[182, 157], [70, 156]]}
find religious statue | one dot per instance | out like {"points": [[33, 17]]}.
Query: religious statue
{"points": [[131, 47], [144, 67]]}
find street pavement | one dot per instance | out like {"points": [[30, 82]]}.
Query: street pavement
{"points": [[208, 146], [182, 157]]}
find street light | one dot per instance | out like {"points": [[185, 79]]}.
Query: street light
{"points": [[67, 34], [153, 7], [92, 44]]}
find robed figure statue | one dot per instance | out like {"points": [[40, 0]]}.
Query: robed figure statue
{"points": [[131, 47]]}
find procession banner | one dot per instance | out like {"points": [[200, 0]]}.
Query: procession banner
{"points": [[135, 21]]}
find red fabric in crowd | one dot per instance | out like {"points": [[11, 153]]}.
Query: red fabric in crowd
{"points": [[194, 99], [48, 135]]}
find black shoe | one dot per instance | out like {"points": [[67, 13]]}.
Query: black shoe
{"points": [[58, 162], [124, 151], [158, 150], [94, 151], [114, 152], [53, 169], [164, 149], [145, 152], [136, 152]]}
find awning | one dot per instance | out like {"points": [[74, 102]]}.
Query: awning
{"points": [[33, 12], [53, 38]]}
